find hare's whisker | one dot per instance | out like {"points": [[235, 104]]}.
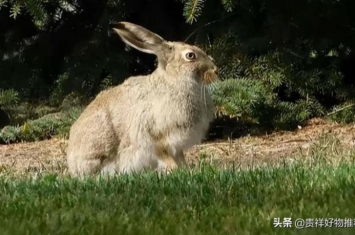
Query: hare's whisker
{"points": [[204, 96], [214, 84], [201, 91]]}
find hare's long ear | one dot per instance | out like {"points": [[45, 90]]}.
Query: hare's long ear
{"points": [[138, 37]]}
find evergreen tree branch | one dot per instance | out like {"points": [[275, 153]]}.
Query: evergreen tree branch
{"points": [[341, 109], [193, 9]]}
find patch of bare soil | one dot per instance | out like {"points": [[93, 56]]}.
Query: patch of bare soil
{"points": [[49, 155]]}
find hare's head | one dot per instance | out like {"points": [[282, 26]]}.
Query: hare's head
{"points": [[176, 59]]}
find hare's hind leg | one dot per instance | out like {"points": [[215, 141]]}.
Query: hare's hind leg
{"points": [[92, 141], [131, 158], [84, 167], [87, 163]]}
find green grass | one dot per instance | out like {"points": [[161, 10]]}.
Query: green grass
{"points": [[206, 201]]}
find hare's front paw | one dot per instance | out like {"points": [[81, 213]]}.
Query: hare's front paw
{"points": [[166, 166]]}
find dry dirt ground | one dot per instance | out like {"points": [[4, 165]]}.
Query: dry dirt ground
{"points": [[49, 155]]}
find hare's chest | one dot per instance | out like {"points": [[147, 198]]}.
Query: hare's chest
{"points": [[185, 109], [184, 122]]}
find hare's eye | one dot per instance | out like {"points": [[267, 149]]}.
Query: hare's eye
{"points": [[190, 56]]}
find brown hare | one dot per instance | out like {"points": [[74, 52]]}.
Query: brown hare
{"points": [[148, 121]]}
